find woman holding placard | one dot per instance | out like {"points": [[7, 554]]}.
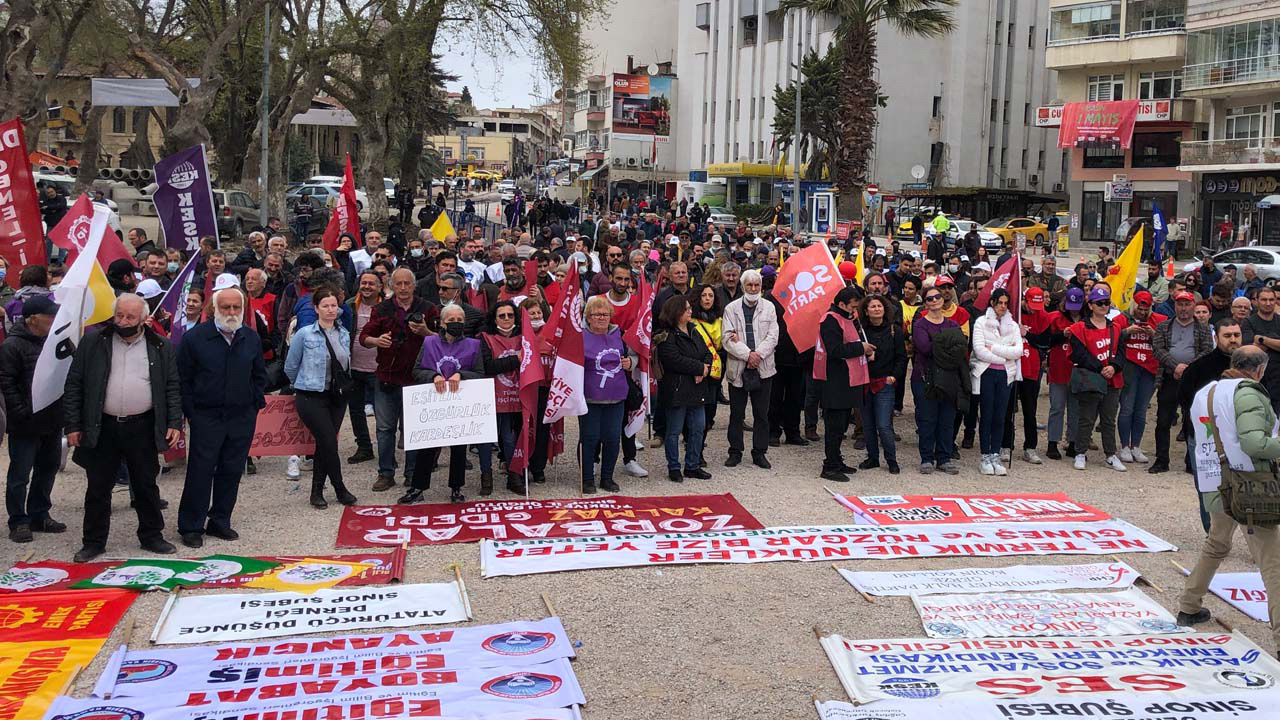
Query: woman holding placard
{"points": [[606, 364]]}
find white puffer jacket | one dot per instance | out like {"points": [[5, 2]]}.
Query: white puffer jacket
{"points": [[998, 343]]}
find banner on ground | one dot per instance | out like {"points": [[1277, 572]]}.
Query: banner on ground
{"points": [[308, 575], [279, 431], [1128, 612], [435, 419], [145, 574], [184, 199], [1046, 669], [21, 233], [1109, 706], [949, 509], [45, 638], [1243, 591], [375, 525], [226, 618], [151, 671], [808, 544], [995, 579]]}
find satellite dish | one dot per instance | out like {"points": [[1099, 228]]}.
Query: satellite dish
{"points": [[653, 69], [917, 171], [559, 94]]}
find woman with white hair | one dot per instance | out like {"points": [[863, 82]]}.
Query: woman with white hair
{"points": [[607, 363]]}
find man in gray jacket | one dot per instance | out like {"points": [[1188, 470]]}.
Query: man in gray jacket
{"points": [[750, 339]]}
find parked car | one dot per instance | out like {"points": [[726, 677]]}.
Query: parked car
{"points": [[506, 190], [1266, 258], [960, 228], [236, 212], [65, 184], [1035, 231], [722, 216], [905, 215], [322, 195], [390, 186]]}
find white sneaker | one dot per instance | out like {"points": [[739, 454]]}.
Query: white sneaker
{"points": [[1138, 456], [1031, 456], [306, 463], [368, 410], [1125, 455], [1080, 462], [999, 469], [985, 467], [1114, 463], [1006, 456], [292, 472], [634, 469]]}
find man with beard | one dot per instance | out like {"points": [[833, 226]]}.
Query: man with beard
{"points": [[223, 379], [470, 267], [728, 290], [1049, 281], [120, 276], [514, 286]]}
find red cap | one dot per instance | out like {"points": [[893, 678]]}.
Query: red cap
{"points": [[944, 280], [1034, 298], [1142, 297], [1184, 295]]}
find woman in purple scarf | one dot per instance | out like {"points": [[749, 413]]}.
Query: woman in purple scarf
{"points": [[605, 365]]}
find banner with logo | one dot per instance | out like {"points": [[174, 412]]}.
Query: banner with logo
{"points": [[809, 544], [45, 638], [1243, 591], [466, 417], [1098, 124], [21, 232], [308, 575], [1108, 706], [145, 574], [1023, 578], [368, 706], [806, 285], [995, 508], [224, 618], [1128, 612], [149, 671], [1046, 669], [279, 432], [184, 199], [437, 524]]}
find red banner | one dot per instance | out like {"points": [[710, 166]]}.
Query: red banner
{"points": [[71, 615], [345, 215], [377, 525], [21, 234], [959, 509], [72, 233], [280, 431], [807, 283], [1098, 124]]}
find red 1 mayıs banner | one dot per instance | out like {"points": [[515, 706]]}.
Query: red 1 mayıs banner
{"points": [[21, 236], [954, 509], [1098, 124], [378, 525]]}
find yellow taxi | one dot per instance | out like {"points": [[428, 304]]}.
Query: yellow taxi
{"points": [[1035, 231]]}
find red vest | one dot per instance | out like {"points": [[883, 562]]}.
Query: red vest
{"points": [[506, 387], [858, 374]]}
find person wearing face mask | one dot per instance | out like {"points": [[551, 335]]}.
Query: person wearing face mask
{"points": [[446, 360], [500, 351], [750, 338], [123, 404], [417, 259]]}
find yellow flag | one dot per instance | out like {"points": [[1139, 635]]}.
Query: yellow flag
{"points": [[1124, 276], [859, 265], [442, 228], [100, 295], [839, 257], [309, 575]]}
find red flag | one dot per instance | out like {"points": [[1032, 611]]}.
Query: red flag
{"points": [[1009, 277], [21, 233], [72, 233], [639, 338], [806, 285], [530, 275], [531, 375], [566, 396], [345, 217]]}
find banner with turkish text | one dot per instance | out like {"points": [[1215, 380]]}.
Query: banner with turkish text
{"points": [[948, 509], [21, 230], [279, 431], [1098, 124], [806, 285], [566, 396], [438, 524], [184, 199], [1128, 612], [1092, 576], [1105, 706], [383, 705]]}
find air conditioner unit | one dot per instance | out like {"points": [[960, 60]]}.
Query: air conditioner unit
{"points": [[1057, 187], [646, 163], [1033, 180], [1011, 183], [750, 24], [633, 162], [617, 162]]}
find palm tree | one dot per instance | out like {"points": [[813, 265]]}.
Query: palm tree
{"points": [[859, 92]]}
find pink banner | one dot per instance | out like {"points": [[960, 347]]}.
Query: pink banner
{"points": [[1098, 124], [958, 509], [280, 431]]}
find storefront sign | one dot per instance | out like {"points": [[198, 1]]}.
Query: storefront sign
{"points": [[376, 525], [1023, 578], [1128, 612], [1260, 185], [1000, 507]]}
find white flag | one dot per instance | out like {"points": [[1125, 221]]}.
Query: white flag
{"points": [[74, 306]]}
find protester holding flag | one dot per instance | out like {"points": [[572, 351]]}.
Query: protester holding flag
{"points": [[996, 364], [840, 364], [682, 387], [605, 385], [1096, 377]]}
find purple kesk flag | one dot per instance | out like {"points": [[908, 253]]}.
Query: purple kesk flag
{"points": [[184, 199]]}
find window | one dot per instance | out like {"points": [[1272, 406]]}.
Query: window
{"points": [[1104, 157], [1026, 113], [995, 109], [775, 24], [1232, 43], [736, 156], [1040, 164], [750, 25], [1097, 21], [1103, 88], [119, 120], [753, 106], [1031, 38], [761, 106], [1152, 16], [1012, 34], [1024, 159], [999, 27], [1160, 85], [937, 105], [1006, 112], [1155, 150], [737, 109], [1246, 123], [704, 111]]}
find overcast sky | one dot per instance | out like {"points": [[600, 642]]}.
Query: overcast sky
{"points": [[506, 82]]}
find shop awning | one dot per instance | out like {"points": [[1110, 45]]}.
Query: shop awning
{"points": [[586, 176], [1269, 202]]}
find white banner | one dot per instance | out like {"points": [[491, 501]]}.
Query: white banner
{"points": [[1243, 591], [148, 671], [808, 544], [1092, 576], [467, 417], [1140, 706], [1046, 669], [1128, 612], [224, 618]]}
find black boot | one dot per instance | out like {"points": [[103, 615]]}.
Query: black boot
{"points": [[1052, 452], [486, 483], [317, 495], [515, 484], [344, 496]]}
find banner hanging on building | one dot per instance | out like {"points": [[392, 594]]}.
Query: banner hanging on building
{"points": [[437, 524], [225, 618], [1108, 706], [21, 231], [184, 199], [150, 671], [1024, 578], [1046, 669], [1095, 125], [808, 544], [944, 509], [1128, 612]]}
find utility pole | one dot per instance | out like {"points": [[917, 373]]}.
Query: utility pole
{"points": [[263, 109], [795, 144]]}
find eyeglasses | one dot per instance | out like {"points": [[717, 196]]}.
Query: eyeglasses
{"points": [[599, 315], [1101, 303], [931, 298]]}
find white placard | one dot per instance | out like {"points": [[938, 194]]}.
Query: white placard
{"points": [[467, 417], [1109, 706], [1025, 578], [1243, 591], [1128, 612], [1047, 669], [222, 617]]}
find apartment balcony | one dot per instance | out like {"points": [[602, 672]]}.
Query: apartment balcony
{"points": [[595, 114], [1152, 46], [1228, 77], [1230, 155]]}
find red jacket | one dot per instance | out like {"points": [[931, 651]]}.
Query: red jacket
{"points": [[395, 364]]}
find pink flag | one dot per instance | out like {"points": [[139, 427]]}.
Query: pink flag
{"points": [[566, 396], [1009, 277], [531, 375], [639, 338]]}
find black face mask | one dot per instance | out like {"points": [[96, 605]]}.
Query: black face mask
{"points": [[128, 331], [454, 329]]}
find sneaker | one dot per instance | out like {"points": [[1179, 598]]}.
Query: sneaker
{"points": [[834, 476], [925, 469], [998, 468], [292, 470], [949, 468], [1114, 463], [1125, 455], [1080, 462], [868, 464], [21, 533], [361, 455], [384, 482], [697, 474], [1200, 616], [1158, 467], [368, 411], [985, 467], [1138, 457], [1006, 455], [634, 469], [1031, 456], [733, 459], [307, 463]]}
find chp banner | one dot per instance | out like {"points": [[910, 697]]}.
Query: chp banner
{"points": [[435, 419], [809, 544], [943, 509], [224, 618], [1047, 669], [806, 285], [184, 199], [1098, 124], [46, 638], [376, 525], [1128, 612], [1094, 576], [151, 671], [21, 232], [1108, 706], [279, 431]]}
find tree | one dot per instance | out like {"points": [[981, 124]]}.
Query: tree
{"points": [[38, 35], [819, 111], [466, 96], [859, 92]]}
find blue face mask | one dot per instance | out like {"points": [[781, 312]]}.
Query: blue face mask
{"points": [[4, 272]]}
